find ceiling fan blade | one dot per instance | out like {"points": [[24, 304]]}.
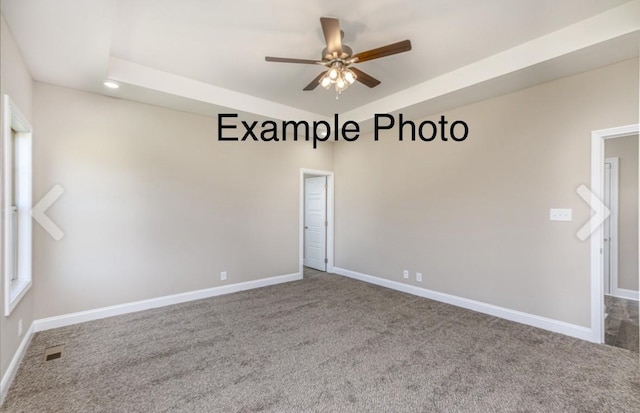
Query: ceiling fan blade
{"points": [[331, 30], [315, 82], [364, 78], [388, 50], [288, 60]]}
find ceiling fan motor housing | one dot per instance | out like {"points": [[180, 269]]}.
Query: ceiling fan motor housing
{"points": [[346, 53]]}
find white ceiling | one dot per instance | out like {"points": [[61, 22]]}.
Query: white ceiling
{"points": [[204, 56]]}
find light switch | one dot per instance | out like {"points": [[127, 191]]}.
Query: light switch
{"points": [[560, 214]]}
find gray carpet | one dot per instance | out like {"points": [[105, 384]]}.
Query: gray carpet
{"points": [[324, 344]]}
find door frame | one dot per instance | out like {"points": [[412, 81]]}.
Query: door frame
{"points": [[613, 225], [330, 223], [598, 138]]}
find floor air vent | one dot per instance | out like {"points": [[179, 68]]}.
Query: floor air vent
{"points": [[53, 353]]}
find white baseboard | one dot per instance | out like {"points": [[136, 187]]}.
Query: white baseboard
{"points": [[556, 326], [98, 313], [624, 293], [7, 379]]}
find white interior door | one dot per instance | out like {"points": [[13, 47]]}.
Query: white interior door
{"points": [[315, 223]]}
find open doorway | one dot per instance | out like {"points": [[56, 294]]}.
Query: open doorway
{"points": [[620, 242], [316, 221], [615, 260]]}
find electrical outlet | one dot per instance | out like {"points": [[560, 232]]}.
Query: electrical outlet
{"points": [[405, 274], [419, 276], [20, 328], [223, 276]]}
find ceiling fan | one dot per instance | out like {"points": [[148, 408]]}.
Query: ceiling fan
{"points": [[338, 57]]}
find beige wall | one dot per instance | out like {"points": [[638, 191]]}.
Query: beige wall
{"points": [[16, 82], [626, 149], [473, 217], [154, 204]]}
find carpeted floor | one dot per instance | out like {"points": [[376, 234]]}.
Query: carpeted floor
{"points": [[326, 344]]}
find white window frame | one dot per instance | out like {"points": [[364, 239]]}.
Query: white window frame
{"points": [[13, 119]]}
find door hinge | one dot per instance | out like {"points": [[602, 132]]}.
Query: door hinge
{"points": [[326, 261], [326, 224]]}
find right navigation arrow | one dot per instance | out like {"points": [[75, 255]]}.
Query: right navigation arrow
{"points": [[601, 212]]}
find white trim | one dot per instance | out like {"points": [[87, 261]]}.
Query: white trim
{"points": [[549, 324], [612, 224], [597, 189], [330, 215], [114, 310], [12, 369], [12, 118], [628, 294]]}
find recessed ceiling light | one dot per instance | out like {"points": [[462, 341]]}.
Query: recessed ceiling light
{"points": [[111, 84]]}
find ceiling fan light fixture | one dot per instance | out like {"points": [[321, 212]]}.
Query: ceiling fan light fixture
{"points": [[339, 77], [325, 82], [349, 76]]}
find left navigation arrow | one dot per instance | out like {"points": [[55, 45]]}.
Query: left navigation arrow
{"points": [[37, 212]]}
